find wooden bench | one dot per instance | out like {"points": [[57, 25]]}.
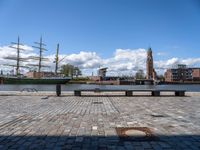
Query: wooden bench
{"points": [[130, 92]]}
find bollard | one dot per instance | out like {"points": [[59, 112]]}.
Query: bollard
{"points": [[58, 89]]}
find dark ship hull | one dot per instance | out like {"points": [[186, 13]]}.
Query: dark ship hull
{"points": [[15, 80]]}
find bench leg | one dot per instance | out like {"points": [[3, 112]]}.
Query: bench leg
{"points": [[129, 93], [155, 93], [77, 93], [179, 93]]}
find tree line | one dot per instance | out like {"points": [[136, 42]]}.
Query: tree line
{"points": [[72, 71]]}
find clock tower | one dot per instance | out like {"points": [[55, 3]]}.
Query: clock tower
{"points": [[149, 65]]}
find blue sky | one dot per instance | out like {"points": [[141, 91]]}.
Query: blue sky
{"points": [[170, 27]]}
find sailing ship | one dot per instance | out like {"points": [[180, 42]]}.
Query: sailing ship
{"points": [[35, 77]]}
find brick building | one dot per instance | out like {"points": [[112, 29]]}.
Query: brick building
{"points": [[34, 74], [181, 73], [150, 71], [196, 74]]}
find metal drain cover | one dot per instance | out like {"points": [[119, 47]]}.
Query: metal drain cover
{"points": [[135, 134]]}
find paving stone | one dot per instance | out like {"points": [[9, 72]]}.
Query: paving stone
{"points": [[29, 122]]}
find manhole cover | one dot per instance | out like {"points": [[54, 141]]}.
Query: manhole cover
{"points": [[135, 134]]}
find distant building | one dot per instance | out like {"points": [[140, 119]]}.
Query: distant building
{"points": [[101, 75], [34, 74], [181, 73], [196, 74], [102, 72], [150, 72], [95, 78]]}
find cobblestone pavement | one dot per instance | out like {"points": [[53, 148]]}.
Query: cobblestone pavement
{"points": [[39, 122]]}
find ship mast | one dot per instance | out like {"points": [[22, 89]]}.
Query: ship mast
{"points": [[41, 48], [56, 59], [17, 58], [39, 45], [18, 51]]}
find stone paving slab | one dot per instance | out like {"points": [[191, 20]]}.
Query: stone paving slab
{"points": [[49, 122]]}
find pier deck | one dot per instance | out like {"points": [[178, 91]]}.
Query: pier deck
{"points": [[42, 122]]}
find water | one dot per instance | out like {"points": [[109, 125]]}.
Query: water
{"points": [[72, 87]]}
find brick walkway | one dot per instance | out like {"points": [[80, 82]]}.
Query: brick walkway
{"points": [[39, 122]]}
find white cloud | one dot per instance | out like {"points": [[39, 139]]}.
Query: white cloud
{"points": [[124, 54], [166, 63], [126, 61], [7, 51], [123, 61], [84, 60], [190, 62]]}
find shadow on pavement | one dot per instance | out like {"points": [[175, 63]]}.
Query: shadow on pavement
{"points": [[99, 142]]}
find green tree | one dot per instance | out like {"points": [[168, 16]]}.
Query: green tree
{"points": [[140, 74], [161, 77], [70, 70]]}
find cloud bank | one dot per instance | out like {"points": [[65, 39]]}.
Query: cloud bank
{"points": [[123, 61]]}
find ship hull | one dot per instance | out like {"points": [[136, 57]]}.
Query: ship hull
{"points": [[34, 81]]}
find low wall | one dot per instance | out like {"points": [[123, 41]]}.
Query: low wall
{"points": [[71, 93]]}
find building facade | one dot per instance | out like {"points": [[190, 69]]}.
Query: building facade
{"points": [[196, 74], [150, 71], [35, 74], [182, 73], [102, 72]]}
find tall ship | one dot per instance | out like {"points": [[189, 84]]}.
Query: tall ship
{"points": [[33, 76]]}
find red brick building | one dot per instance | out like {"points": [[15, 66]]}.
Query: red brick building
{"points": [[34, 74], [149, 64], [196, 74], [150, 71], [181, 73]]}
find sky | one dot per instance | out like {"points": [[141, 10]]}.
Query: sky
{"points": [[106, 33]]}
